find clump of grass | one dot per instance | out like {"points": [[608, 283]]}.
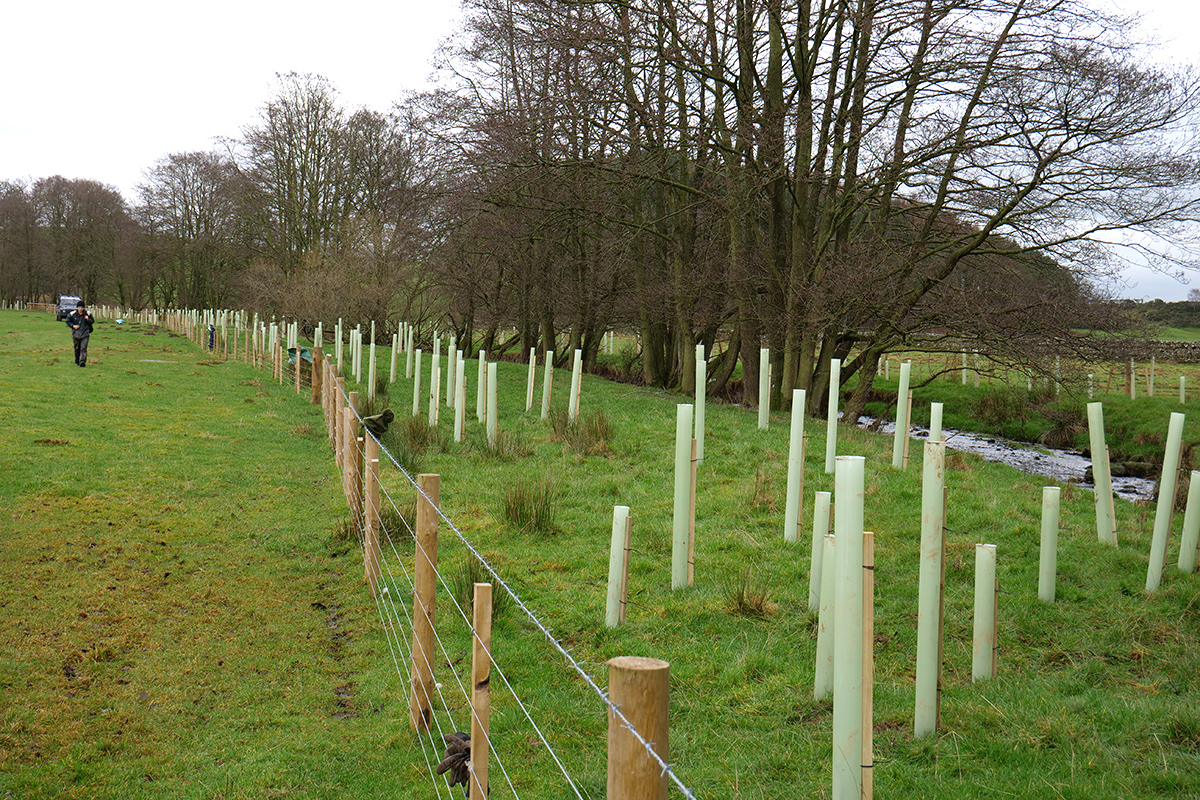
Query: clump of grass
{"points": [[462, 584], [590, 433], [1184, 731], [763, 498], [408, 440], [997, 409], [342, 536], [745, 597], [382, 384], [509, 445], [1065, 427], [530, 506], [398, 523], [375, 405]]}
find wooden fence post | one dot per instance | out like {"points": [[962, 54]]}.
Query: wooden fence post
{"points": [[339, 411], [638, 687], [481, 696], [425, 583], [352, 463], [353, 474], [371, 554], [317, 368]]}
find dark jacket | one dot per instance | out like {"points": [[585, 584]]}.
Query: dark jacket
{"points": [[85, 321]]}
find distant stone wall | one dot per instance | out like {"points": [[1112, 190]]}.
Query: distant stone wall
{"points": [[1179, 352]]}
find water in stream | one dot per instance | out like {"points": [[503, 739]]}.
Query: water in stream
{"points": [[1067, 466]]}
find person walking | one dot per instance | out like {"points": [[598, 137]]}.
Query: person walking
{"points": [[80, 321]]}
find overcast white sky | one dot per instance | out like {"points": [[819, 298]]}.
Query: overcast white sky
{"points": [[102, 89]]}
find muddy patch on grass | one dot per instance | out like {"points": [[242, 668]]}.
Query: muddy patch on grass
{"points": [[344, 694]]}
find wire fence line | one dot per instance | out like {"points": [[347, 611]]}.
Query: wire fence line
{"points": [[530, 615], [394, 622], [394, 615], [462, 613]]}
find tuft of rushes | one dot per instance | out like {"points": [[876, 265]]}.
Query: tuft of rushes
{"points": [[590, 434], [529, 506], [462, 585]]}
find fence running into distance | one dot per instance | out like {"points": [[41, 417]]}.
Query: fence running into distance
{"points": [[636, 697]]}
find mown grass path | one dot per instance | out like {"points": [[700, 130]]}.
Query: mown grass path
{"points": [[173, 620]]}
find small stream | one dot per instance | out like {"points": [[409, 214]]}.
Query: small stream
{"points": [[1067, 466]]}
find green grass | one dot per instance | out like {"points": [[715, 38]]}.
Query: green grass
{"points": [[1179, 334], [262, 637], [1135, 429]]}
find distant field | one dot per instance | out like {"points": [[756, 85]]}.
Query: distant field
{"points": [[1180, 334], [181, 617]]}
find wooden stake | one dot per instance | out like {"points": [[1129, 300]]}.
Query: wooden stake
{"points": [[481, 695], [425, 583], [907, 428], [941, 612], [996, 627], [625, 568], [692, 521], [639, 688], [868, 725]]}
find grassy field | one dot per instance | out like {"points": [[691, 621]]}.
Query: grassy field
{"points": [[181, 616], [1005, 404]]}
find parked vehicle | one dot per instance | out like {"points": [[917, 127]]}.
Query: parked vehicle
{"points": [[66, 305]]}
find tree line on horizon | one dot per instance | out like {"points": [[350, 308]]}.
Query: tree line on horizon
{"points": [[828, 180]]}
